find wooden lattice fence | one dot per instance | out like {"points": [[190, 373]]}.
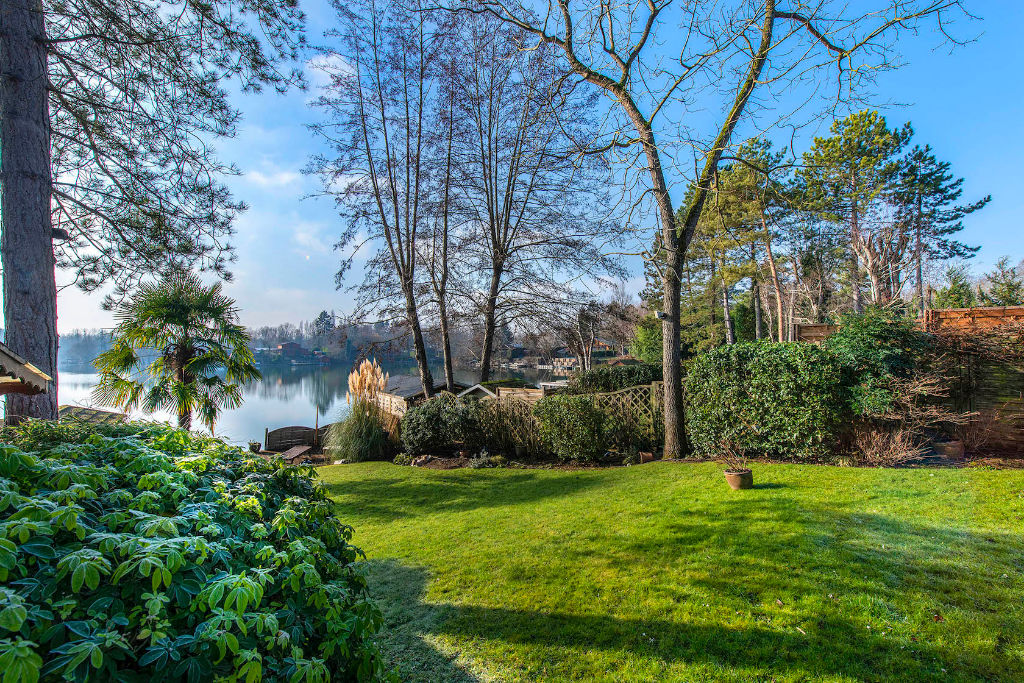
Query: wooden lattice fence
{"points": [[633, 416], [509, 424]]}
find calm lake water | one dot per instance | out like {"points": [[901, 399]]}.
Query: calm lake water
{"points": [[286, 396]]}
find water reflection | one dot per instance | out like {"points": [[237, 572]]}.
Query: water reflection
{"points": [[287, 395]]}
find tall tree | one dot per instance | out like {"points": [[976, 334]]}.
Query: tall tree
{"points": [[195, 329], [851, 175], [724, 43], [534, 215], [377, 108], [108, 108], [926, 203]]}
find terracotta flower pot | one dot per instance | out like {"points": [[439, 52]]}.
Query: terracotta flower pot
{"points": [[740, 479], [646, 456], [951, 450]]}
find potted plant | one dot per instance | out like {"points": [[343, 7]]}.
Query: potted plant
{"points": [[254, 446], [737, 474]]}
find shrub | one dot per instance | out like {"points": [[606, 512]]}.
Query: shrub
{"points": [[437, 423], [366, 433], [877, 343], [604, 378], [783, 400], [647, 340], [144, 553], [571, 426], [403, 459]]}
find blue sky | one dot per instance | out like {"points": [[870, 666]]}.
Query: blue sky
{"points": [[968, 105]]}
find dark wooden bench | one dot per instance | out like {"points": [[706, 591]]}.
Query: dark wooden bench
{"points": [[295, 454]]}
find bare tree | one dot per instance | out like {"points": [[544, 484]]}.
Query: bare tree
{"points": [[377, 107], [534, 220], [724, 44]]}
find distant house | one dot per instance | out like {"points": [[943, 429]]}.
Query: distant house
{"points": [[624, 360], [292, 350]]}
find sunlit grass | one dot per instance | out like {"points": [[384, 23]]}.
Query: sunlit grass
{"points": [[662, 573]]}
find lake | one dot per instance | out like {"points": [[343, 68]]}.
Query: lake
{"points": [[286, 396]]}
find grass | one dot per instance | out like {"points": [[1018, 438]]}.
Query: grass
{"points": [[662, 573]]}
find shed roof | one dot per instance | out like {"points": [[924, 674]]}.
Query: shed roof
{"points": [[94, 416], [18, 376], [408, 386]]}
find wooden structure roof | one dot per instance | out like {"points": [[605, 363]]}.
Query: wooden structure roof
{"points": [[95, 416], [409, 386], [18, 376]]}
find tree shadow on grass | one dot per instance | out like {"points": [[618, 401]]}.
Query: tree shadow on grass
{"points": [[875, 566], [442, 492]]}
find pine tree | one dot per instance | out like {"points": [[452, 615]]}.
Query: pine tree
{"points": [[926, 204], [108, 111], [1005, 285], [848, 175], [957, 292]]}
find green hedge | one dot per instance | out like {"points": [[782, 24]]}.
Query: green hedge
{"points": [[437, 423], [604, 378], [783, 400], [144, 553], [571, 426]]}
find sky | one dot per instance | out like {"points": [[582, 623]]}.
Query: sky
{"points": [[968, 105]]}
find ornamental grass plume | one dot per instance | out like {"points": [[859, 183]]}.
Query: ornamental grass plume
{"points": [[366, 381]]}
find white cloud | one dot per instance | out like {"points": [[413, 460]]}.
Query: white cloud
{"points": [[279, 179], [309, 236]]}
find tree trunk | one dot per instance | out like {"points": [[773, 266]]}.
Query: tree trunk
{"points": [[854, 265], [489, 324], [419, 347], [446, 346], [730, 332], [30, 291], [775, 278], [918, 258], [755, 294]]}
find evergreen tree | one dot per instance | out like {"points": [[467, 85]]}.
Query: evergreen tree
{"points": [[957, 292], [926, 204], [108, 111], [847, 177], [1005, 285]]}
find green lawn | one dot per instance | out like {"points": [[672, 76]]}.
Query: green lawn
{"points": [[662, 573]]}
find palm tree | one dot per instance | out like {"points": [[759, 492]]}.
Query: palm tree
{"points": [[195, 329]]}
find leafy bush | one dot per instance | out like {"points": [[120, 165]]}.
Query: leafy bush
{"points": [[878, 342], [879, 350], [647, 340], [605, 378], [144, 553], [571, 426], [783, 400], [437, 423], [366, 433], [403, 459]]}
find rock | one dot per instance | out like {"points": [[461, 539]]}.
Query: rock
{"points": [[422, 460], [341, 462]]}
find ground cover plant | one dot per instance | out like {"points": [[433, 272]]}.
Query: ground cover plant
{"points": [[145, 553], [661, 573]]}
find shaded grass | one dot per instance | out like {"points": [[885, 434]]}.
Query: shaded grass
{"points": [[661, 573]]}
